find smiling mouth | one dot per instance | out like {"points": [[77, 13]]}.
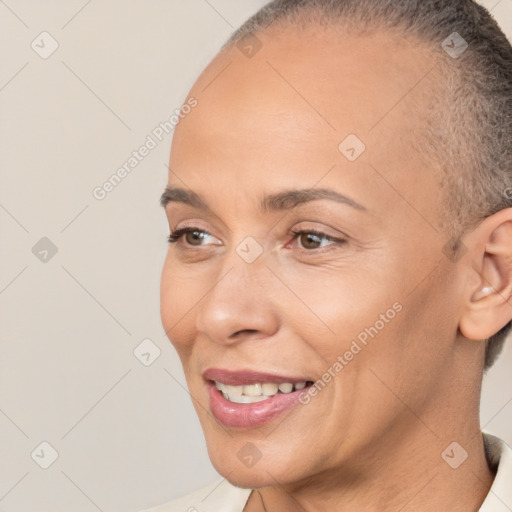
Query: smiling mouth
{"points": [[258, 392], [247, 398]]}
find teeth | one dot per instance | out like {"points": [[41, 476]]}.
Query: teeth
{"points": [[252, 393], [269, 389], [252, 390], [247, 399], [286, 387], [233, 391]]}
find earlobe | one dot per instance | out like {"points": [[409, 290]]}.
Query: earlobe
{"points": [[489, 307]]}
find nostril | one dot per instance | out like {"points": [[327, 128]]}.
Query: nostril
{"points": [[243, 332]]}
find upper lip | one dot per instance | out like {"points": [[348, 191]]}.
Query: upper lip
{"points": [[241, 377]]}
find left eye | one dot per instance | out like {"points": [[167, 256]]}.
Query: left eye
{"points": [[312, 239]]}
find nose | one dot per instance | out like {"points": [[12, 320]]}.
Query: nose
{"points": [[239, 305]]}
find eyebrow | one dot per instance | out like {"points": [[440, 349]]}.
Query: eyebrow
{"points": [[280, 201]]}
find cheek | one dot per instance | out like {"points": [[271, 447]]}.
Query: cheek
{"points": [[179, 295], [405, 361], [363, 321], [340, 305]]}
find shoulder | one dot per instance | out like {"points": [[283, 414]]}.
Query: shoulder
{"points": [[219, 496]]}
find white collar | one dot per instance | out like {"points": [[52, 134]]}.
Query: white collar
{"points": [[499, 455]]}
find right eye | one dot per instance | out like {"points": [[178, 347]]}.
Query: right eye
{"points": [[193, 236]]}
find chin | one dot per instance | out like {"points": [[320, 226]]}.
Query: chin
{"points": [[228, 461], [247, 478]]}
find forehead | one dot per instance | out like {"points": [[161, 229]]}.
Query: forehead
{"points": [[282, 114], [332, 82], [331, 71]]}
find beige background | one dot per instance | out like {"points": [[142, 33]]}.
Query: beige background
{"points": [[126, 434]]}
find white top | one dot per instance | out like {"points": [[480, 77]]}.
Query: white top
{"points": [[221, 496]]}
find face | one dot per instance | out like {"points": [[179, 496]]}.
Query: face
{"points": [[344, 284]]}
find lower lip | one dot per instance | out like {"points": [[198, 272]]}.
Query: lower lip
{"points": [[249, 415]]}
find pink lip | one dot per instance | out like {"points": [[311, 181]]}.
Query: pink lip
{"points": [[248, 415]]}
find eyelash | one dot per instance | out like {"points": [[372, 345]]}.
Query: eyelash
{"points": [[177, 234]]}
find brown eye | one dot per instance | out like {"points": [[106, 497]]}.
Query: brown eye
{"points": [[194, 237], [311, 240], [190, 237]]}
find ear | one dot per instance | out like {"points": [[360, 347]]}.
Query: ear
{"points": [[488, 306]]}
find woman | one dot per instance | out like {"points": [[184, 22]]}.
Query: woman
{"points": [[332, 294]]}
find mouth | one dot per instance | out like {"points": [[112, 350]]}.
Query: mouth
{"points": [[252, 393], [247, 399]]}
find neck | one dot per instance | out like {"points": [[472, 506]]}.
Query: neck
{"points": [[411, 476]]}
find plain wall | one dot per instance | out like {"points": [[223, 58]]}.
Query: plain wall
{"points": [[126, 434]]}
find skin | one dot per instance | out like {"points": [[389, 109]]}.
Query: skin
{"points": [[372, 438]]}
